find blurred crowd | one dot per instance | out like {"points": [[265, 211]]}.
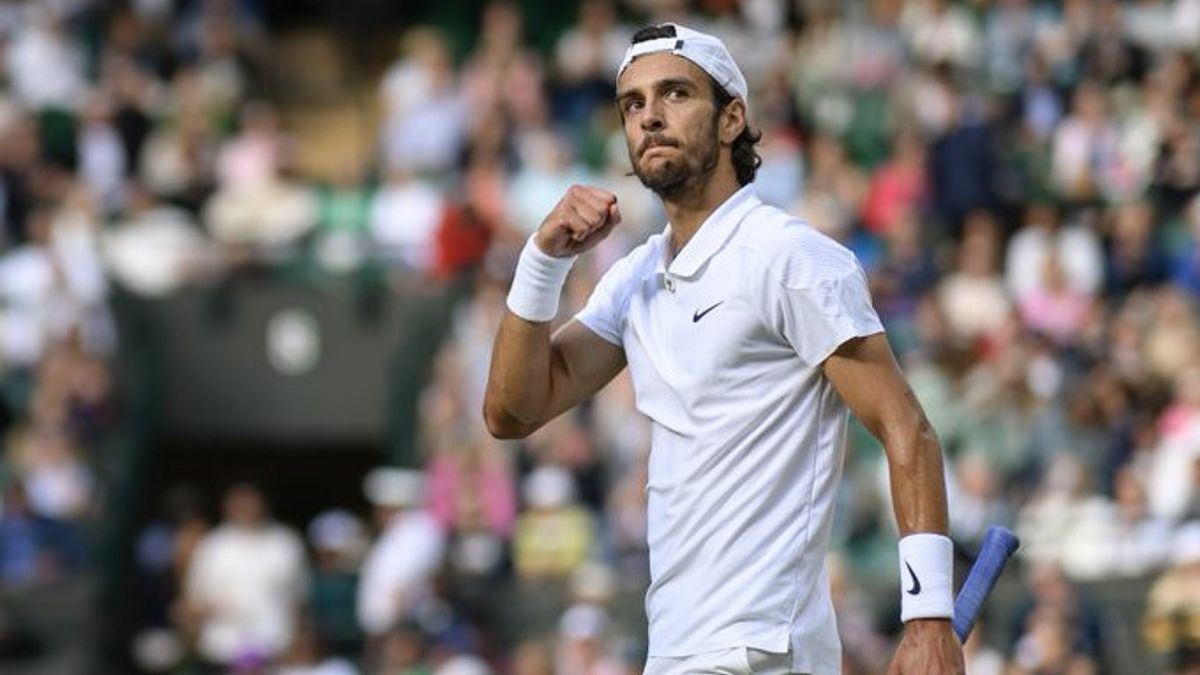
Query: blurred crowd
{"points": [[1019, 178]]}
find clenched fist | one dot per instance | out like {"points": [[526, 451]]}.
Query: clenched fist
{"points": [[583, 217]]}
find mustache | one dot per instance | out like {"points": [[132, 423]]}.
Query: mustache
{"points": [[651, 142]]}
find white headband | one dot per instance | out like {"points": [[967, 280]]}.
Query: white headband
{"points": [[704, 50]]}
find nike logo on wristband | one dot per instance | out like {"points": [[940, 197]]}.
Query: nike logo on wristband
{"points": [[697, 315], [916, 583]]}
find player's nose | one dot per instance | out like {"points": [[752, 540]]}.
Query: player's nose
{"points": [[652, 118]]}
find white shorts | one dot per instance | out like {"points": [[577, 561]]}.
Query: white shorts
{"points": [[736, 661]]}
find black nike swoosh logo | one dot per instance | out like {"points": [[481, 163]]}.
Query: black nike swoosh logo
{"points": [[916, 586], [700, 315]]}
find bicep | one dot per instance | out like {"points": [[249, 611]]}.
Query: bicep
{"points": [[581, 363], [865, 373]]}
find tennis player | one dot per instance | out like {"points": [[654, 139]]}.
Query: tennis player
{"points": [[749, 336]]}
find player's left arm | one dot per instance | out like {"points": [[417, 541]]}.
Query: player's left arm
{"points": [[865, 373]]}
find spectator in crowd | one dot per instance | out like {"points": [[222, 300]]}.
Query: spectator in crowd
{"points": [[973, 297], [424, 113], [553, 537], [30, 551], [255, 208], [1056, 629], [343, 207], [404, 651], [46, 68], [339, 542], [582, 647], [1119, 537], [585, 60], [1169, 625], [404, 218], [399, 568], [156, 249], [245, 583], [163, 554]]}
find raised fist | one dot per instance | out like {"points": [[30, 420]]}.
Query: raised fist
{"points": [[583, 217]]}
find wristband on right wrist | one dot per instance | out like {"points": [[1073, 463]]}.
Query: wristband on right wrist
{"points": [[926, 577], [537, 283]]}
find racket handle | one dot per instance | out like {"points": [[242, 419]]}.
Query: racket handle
{"points": [[998, 545]]}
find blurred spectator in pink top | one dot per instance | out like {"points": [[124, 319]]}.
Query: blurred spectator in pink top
{"points": [[898, 186], [1056, 309], [471, 480]]}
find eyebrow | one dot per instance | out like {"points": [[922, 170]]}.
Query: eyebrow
{"points": [[660, 85]]}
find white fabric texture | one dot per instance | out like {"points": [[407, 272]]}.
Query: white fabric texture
{"points": [[736, 661], [725, 345]]}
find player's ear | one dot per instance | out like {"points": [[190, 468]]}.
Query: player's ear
{"points": [[732, 120]]}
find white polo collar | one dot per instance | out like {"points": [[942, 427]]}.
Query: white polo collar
{"points": [[711, 236]]}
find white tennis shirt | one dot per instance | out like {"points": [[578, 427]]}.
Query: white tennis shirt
{"points": [[725, 345]]}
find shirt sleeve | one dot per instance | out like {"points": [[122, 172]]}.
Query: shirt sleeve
{"points": [[605, 311], [815, 320]]}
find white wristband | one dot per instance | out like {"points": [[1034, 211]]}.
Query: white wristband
{"points": [[926, 577], [537, 283]]}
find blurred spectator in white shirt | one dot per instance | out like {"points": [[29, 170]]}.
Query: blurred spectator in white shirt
{"points": [[246, 582], [1085, 146], [1009, 32], [1076, 247], [254, 207], [1175, 462], [424, 116], [102, 161], [404, 218], [401, 564], [1055, 508], [54, 286], [940, 31], [156, 249], [1118, 537], [973, 297], [45, 67]]}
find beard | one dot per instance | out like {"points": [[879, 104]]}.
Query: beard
{"points": [[686, 171]]}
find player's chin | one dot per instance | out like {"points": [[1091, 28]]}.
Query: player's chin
{"points": [[659, 170]]}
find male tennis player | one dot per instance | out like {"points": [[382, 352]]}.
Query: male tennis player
{"points": [[748, 335]]}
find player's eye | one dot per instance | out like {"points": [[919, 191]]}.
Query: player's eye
{"points": [[630, 105], [677, 93]]}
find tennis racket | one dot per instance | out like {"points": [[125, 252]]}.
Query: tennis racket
{"points": [[998, 545]]}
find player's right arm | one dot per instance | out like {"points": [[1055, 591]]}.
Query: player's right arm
{"points": [[536, 376]]}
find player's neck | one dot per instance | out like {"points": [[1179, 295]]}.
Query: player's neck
{"points": [[687, 213]]}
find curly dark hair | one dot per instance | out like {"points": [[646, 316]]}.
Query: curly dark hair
{"points": [[745, 157]]}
